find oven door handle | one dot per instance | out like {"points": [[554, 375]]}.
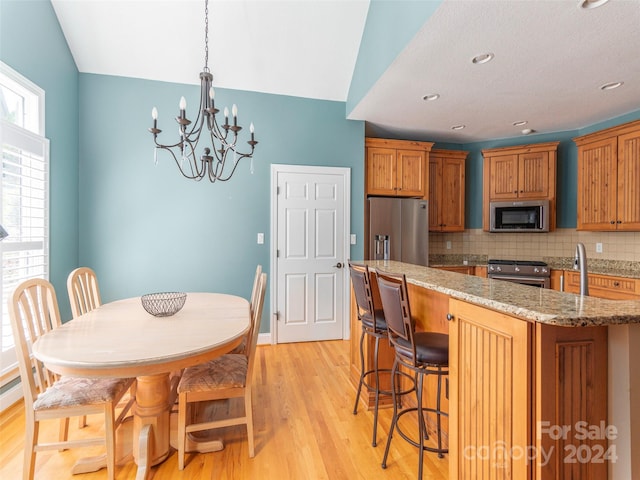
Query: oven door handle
{"points": [[521, 279]]}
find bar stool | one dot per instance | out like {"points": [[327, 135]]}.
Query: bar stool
{"points": [[373, 325], [423, 353]]}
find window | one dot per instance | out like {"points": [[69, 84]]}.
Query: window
{"points": [[24, 190]]}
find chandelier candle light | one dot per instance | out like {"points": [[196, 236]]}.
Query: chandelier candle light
{"points": [[213, 162]]}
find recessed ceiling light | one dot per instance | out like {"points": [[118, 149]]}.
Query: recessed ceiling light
{"points": [[520, 123], [586, 4], [611, 86], [528, 131], [457, 127], [431, 97], [482, 58]]}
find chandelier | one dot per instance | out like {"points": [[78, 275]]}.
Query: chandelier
{"points": [[214, 163]]}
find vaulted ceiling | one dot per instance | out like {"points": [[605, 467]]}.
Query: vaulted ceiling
{"points": [[551, 58]]}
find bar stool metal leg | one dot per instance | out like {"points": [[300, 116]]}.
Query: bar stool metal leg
{"points": [[372, 388]]}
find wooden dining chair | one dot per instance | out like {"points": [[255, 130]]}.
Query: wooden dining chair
{"points": [[84, 296], [33, 311], [83, 290], [254, 294], [226, 377]]}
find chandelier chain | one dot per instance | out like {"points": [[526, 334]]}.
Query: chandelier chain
{"points": [[206, 36]]}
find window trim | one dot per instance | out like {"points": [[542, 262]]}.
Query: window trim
{"points": [[36, 143], [25, 84]]}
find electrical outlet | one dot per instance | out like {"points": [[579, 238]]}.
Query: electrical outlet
{"points": [[260, 238], [598, 248], [353, 239], [448, 244]]}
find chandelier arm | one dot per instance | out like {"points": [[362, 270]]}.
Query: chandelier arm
{"points": [[231, 146], [175, 159], [192, 159], [235, 165], [220, 134]]}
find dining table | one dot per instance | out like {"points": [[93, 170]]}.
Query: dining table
{"points": [[120, 339]]}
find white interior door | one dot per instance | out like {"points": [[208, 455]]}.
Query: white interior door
{"points": [[310, 226]]}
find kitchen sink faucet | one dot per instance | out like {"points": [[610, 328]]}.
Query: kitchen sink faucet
{"points": [[580, 263]]}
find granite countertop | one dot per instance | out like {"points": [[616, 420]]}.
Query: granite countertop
{"points": [[528, 303]]}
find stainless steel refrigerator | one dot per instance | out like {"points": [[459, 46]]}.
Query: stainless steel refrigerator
{"points": [[406, 222]]}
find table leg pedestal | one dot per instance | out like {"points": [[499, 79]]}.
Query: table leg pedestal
{"points": [[152, 408], [149, 435]]}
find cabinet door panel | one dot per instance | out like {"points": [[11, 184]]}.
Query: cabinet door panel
{"points": [[504, 177], [533, 175], [452, 198], [490, 397], [571, 384], [597, 193], [410, 173], [381, 171], [628, 216], [435, 194]]}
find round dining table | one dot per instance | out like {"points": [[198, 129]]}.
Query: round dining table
{"points": [[120, 339]]}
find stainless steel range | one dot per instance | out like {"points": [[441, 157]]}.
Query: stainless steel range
{"points": [[525, 272]]}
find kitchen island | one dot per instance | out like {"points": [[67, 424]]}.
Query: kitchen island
{"points": [[528, 384]]}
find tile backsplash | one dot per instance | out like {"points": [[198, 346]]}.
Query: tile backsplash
{"points": [[619, 246]]}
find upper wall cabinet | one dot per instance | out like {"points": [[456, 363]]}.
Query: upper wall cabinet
{"points": [[524, 172], [446, 190], [609, 179], [396, 167]]}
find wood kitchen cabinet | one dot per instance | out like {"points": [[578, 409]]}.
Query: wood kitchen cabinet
{"points": [[604, 286], [396, 167], [609, 179], [525, 172], [446, 190], [490, 392], [464, 269]]}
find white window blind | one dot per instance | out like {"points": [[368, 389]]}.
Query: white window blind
{"points": [[24, 210]]}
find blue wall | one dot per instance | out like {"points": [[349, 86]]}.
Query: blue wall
{"points": [[32, 43], [145, 228]]}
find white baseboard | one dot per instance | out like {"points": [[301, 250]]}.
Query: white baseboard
{"points": [[10, 397], [264, 339]]}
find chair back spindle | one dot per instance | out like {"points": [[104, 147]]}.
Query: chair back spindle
{"points": [[83, 290]]}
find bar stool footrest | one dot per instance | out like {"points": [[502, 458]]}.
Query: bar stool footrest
{"points": [[411, 440]]}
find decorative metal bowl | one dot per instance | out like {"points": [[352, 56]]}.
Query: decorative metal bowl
{"points": [[163, 304]]}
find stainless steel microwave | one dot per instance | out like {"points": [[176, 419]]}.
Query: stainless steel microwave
{"points": [[524, 216]]}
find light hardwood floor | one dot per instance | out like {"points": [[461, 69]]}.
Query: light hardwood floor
{"points": [[304, 428]]}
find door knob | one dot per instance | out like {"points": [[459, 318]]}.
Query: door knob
{"points": [[338, 265]]}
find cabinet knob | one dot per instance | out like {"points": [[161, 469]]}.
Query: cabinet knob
{"points": [[619, 221], [612, 222], [616, 284], [450, 317]]}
